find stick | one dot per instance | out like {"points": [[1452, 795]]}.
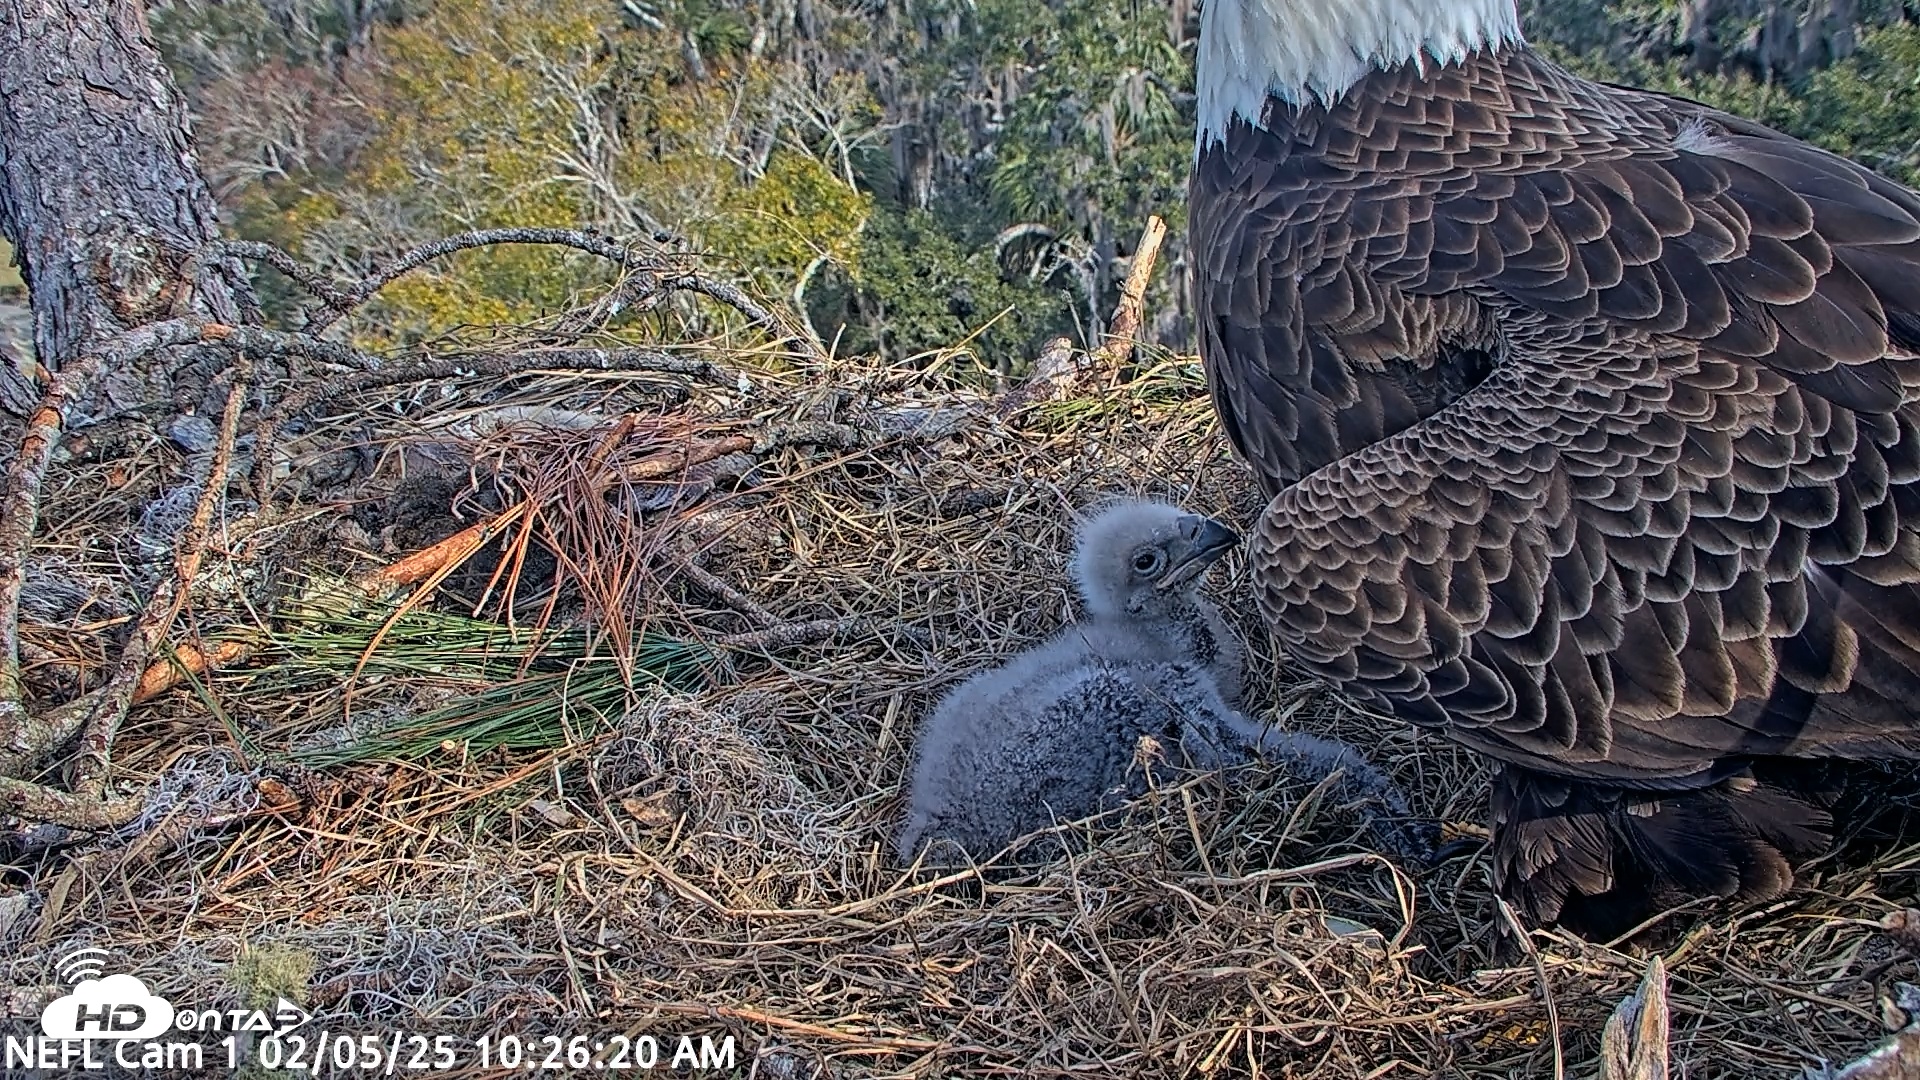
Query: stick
{"points": [[594, 244], [1634, 1044], [787, 635], [187, 662], [19, 798], [19, 514], [719, 588], [189, 547], [1133, 296], [1056, 371], [446, 367], [1546, 987]]}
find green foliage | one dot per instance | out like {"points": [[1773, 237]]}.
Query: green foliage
{"points": [[528, 112], [924, 289], [875, 151], [796, 211], [1868, 106], [512, 688], [1098, 130]]}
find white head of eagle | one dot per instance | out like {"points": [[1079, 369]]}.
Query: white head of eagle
{"points": [[1300, 49]]}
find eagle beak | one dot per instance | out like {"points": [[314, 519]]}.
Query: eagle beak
{"points": [[1201, 544]]}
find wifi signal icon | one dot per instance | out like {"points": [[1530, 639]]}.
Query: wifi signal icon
{"points": [[82, 964]]}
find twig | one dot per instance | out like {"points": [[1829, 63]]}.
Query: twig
{"points": [[1897, 1058], [20, 740], [679, 459], [33, 802], [718, 587], [728, 294], [1546, 988], [1057, 367], [592, 243], [188, 547], [1059, 370], [1133, 296], [143, 341], [187, 662], [1634, 1044], [280, 259], [787, 635]]}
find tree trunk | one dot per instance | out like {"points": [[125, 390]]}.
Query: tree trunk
{"points": [[100, 192], [112, 223]]}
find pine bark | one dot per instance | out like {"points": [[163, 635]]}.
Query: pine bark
{"points": [[101, 194]]}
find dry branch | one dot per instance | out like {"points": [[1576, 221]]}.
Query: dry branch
{"points": [[787, 635], [187, 662], [720, 589], [280, 259], [34, 802], [188, 547], [655, 278], [18, 516], [1059, 371], [1133, 297], [1634, 1044]]}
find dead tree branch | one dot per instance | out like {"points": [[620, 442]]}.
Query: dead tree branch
{"points": [[33, 802], [491, 365], [652, 278], [1060, 371], [1133, 296], [1634, 1044], [188, 547], [20, 737], [315, 283]]}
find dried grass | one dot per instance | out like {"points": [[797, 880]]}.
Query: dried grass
{"points": [[714, 862]]}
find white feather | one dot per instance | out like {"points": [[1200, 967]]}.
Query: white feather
{"points": [[1300, 49]]}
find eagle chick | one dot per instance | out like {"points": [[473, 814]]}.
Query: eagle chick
{"points": [[1051, 735]]}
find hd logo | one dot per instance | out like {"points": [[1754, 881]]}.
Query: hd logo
{"points": [[116, 1007]]}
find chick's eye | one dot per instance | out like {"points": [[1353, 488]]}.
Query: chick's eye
{"points": [[1148, 561]]}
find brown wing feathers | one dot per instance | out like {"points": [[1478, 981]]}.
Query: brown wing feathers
{"points": [[1590, 420]]}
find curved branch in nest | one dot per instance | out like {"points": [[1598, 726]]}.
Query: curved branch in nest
{"points": [[445, 367], [651, 279]]}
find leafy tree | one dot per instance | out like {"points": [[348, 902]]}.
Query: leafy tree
{"points": [[908, 170], [520, 112]]}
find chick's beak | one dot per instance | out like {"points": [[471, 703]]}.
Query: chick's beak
{"points": [[1190, 555]]}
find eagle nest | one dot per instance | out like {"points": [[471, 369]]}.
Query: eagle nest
{"points": [[577, 703]]}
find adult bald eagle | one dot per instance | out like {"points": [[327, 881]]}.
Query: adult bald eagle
{"points": [[1590, 421]]}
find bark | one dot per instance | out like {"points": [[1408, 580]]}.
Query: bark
{"points": [[101, 194], [114, 229]]}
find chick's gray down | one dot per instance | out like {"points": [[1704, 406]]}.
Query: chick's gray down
{"points": [[1052, 734]]}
